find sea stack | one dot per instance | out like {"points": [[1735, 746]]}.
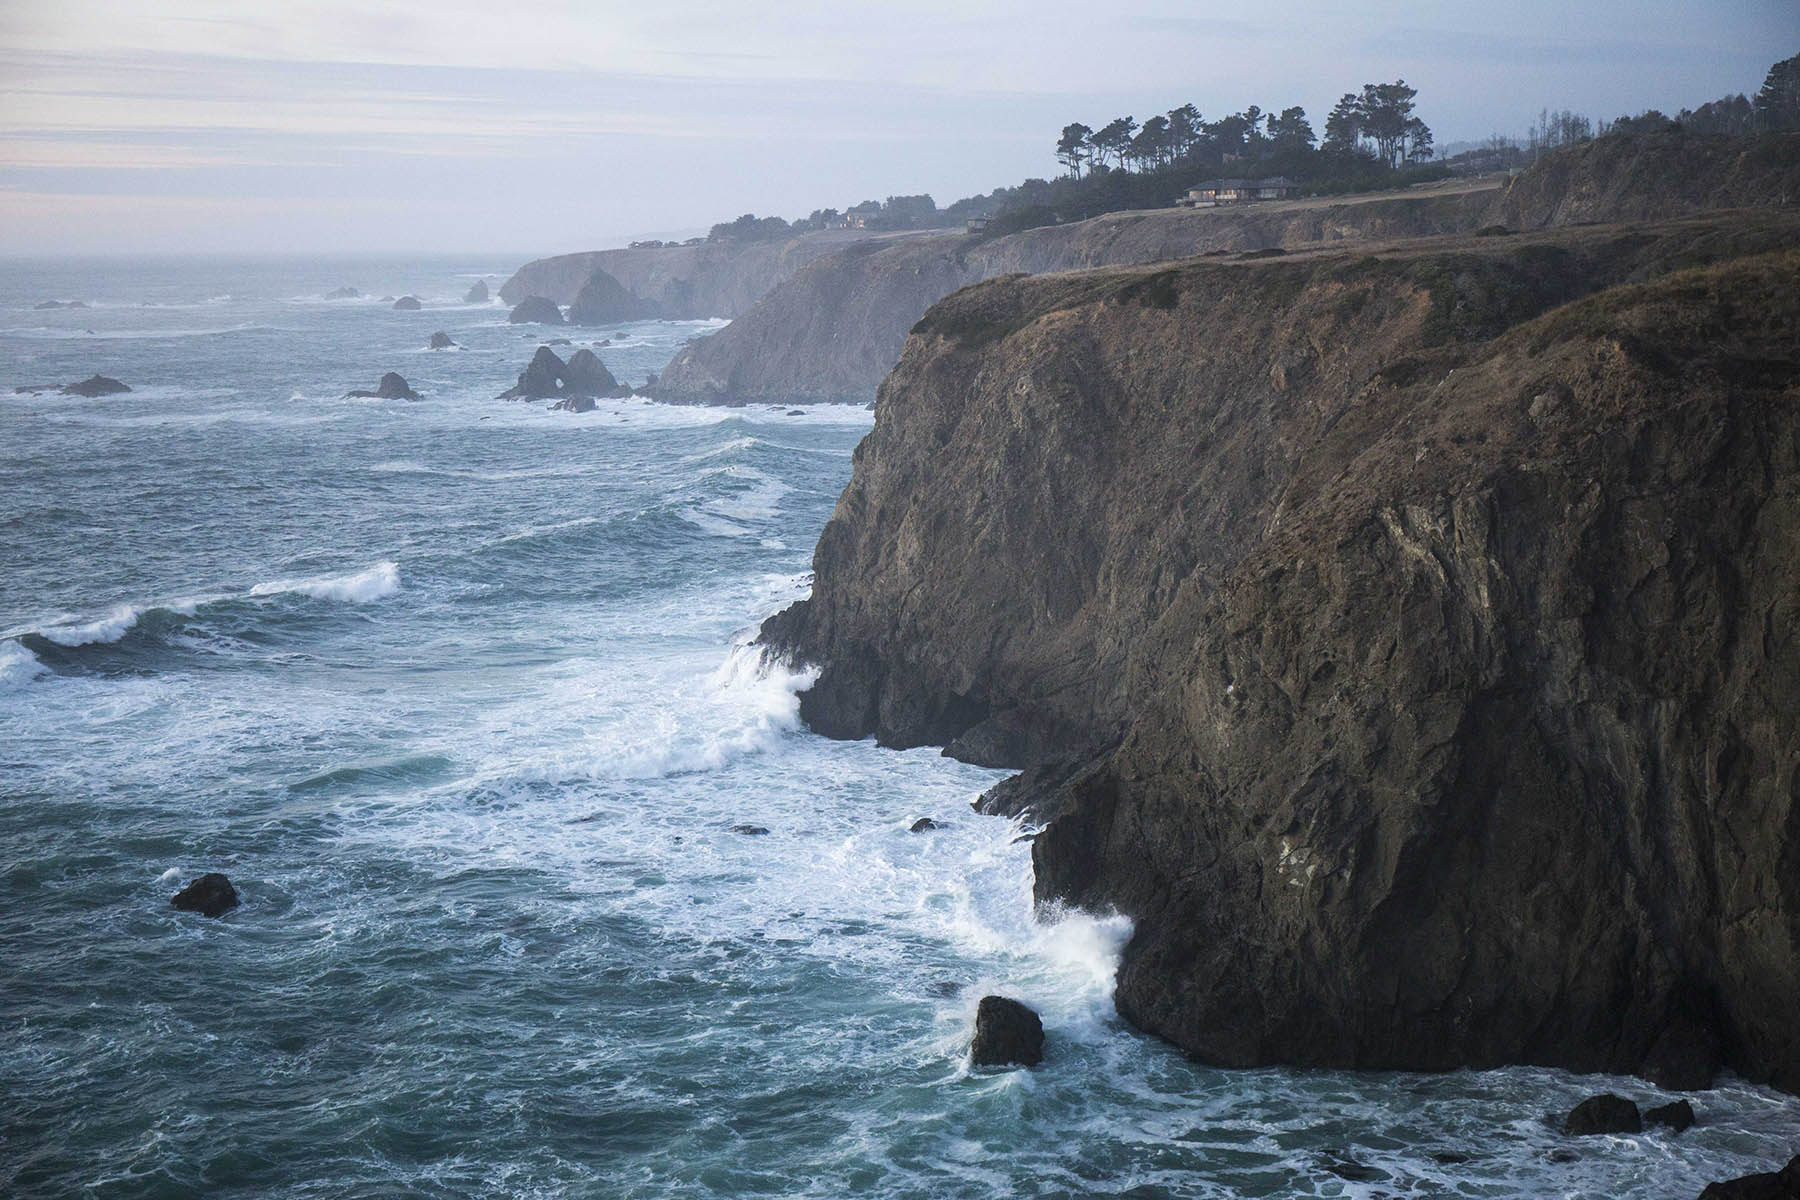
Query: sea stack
{"points": [[535, 310]]}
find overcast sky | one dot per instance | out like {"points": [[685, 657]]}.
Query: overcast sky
{"points": [[472, 125]]}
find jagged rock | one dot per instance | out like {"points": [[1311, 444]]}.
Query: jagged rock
{"points": [[408, 304], [749, 830], [392, 387], [541, 379], [1006, 1033], [441, 341], [1677, 1115], [211, 895], [1772, 1185], [924, 825], [604, 300], [535, 310], [343, 293], [95, 385], [574, 404], [1383, 697], [477, 294], [586, 375], [1605, 1113]]}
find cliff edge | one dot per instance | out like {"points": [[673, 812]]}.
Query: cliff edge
{"points": [[1405, 641]]}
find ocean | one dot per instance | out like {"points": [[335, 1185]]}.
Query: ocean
{"points": [[460, 695]]}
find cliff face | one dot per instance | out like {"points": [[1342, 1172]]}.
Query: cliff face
{"points": [[713, 279], [1653, 177], [834, 330], [1406, 642]]}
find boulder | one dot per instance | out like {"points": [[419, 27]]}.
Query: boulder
{"points": [[535, 310], [1605, 1113], [604, 300], [1678, 1115], [577, 404], [211, 895], [95, 385], [343, 293], [477, 294], [408, 304], [924, 825], [392, 387], [441, 341], [1006, 1032], [749, 830], [1772, 1185]]}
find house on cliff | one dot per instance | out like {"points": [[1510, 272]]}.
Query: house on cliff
{"points": [[1214, 192]]}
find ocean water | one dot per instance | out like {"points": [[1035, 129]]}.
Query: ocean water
{"points": [[458, 693]]}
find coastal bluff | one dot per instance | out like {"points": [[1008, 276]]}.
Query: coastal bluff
{"points": [[1403, 636], [831, 330]]}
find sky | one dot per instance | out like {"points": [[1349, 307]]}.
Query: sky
{"points": [[368, 126]]}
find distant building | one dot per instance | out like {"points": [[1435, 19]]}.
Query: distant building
{"points": [[651, 244], [840, 221], [975, 224], [1239, 191], [695, 241]]}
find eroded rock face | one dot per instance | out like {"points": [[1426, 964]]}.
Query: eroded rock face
{"points": [[1405, 643], [211, 895], [1772, 1185], [535, 310]]}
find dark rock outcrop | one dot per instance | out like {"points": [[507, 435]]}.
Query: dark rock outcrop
{"points": [[211, 895], [1605, 1113], [440, 341], [924, 825], [1416, 631], [603, 300], [750, 830], [46, 305], [95, 385], [535, 310], [1006, 1034], [477, 294], [1677, 1115], [575, 404], [1771, 1185], [408, 304], [548, 377], [393, 386]]}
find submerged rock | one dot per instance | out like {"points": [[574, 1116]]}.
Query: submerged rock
{"points": [[393, 386], [1605, 1113], [924, 825], [478, 294], [1771, 1185], [49, 304], [1677, 1115], [408, 304], [440, 341], [95, 385], [343, 293], [211, 895], [1006, 1032], [749, 830], [535, 310], [575, 404]]}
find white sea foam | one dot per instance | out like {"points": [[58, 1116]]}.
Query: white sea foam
{"points": [[170, 875], [110, 628], [707, 523], [18, 666], [361, 587]]}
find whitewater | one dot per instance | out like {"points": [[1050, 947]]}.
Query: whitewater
{"points": [[461, 695]]}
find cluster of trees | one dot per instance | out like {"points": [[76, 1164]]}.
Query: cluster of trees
{"points": [[896, 212]]}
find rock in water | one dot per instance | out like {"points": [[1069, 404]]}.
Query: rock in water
{"points": [[95, 385], [392, 387], [540, 380], [1773, 1185], [211, 895], [924, 825], [477, 294], [441, 341], [408, 304], [576, 404], [604, 300], [343, 293], [1006, 1032], [47, 304], [586, 375], [1605, 1113], [536, 310], [1678, 1115]]}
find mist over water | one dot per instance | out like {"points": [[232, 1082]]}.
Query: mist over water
{"points": [[458, 693]]}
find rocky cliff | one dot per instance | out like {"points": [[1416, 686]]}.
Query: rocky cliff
{"points": [[713, 279], [1405, 641], [834, 329]]}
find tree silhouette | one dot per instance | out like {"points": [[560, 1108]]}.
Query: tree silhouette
{"points": [[1075, 147]]}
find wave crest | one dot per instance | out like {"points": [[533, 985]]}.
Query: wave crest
{"points": [[361, 587]]}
